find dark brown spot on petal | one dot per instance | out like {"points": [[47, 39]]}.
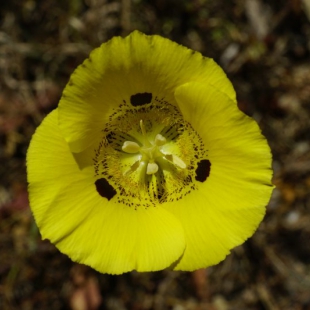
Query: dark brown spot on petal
{"points": [[140, 99], [105, 189], [203, 170]]}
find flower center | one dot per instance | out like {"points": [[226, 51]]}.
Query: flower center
{"points": [[148, 155], [151, 152]]}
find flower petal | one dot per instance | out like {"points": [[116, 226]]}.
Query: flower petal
{"points": [[91, 229], [213, 226], [134, 71], [228, 206]]}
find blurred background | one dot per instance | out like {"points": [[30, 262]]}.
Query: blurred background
{"points": [[263, 46]]}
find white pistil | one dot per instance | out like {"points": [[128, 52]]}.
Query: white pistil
{"points": [[151, 168], [131, 147]]}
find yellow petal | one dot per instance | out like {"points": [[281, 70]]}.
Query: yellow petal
{"points": [[89, 228], [229, 205], [213, 226], [131, 71]]}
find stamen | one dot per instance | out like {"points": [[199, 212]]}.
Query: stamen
{"points": [[176, 160], [131, 147], [146, 142], [151, 168], [133, 168], [160, 140], [142, 128]]}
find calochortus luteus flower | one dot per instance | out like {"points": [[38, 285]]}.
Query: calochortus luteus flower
{"points": [[147, 163]]}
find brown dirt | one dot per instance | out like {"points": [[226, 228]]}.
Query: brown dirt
{"points": [[264, 46]]}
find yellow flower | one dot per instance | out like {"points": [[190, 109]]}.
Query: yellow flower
{"points": [[147, 163]]}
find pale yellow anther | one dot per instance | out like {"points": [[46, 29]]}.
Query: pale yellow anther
{"points": [[176, 160], [131, 147], [160, 140], [133, 168], [151, 168]]}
